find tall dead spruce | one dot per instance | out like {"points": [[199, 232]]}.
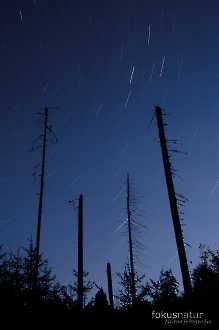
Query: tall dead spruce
{"points": [[41, 144], [174, 203]]}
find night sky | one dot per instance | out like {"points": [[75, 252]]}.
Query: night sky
{"points": [[102, 66]]}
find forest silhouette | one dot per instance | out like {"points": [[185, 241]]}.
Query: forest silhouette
{"points": [[18, 293]]}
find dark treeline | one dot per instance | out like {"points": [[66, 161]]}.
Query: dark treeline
{"points": [[18, 293]]}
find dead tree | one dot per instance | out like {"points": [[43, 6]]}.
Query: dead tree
{"points": [[130, 238], [110, 285], [80, 289], [173, 204], [80, 254], [40, 205], [42, 140]]}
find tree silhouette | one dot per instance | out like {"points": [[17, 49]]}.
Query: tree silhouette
{"points": [[164, 291], [87, 285], [100, 301], [17, 281], [206, 275], [125, 295]]}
